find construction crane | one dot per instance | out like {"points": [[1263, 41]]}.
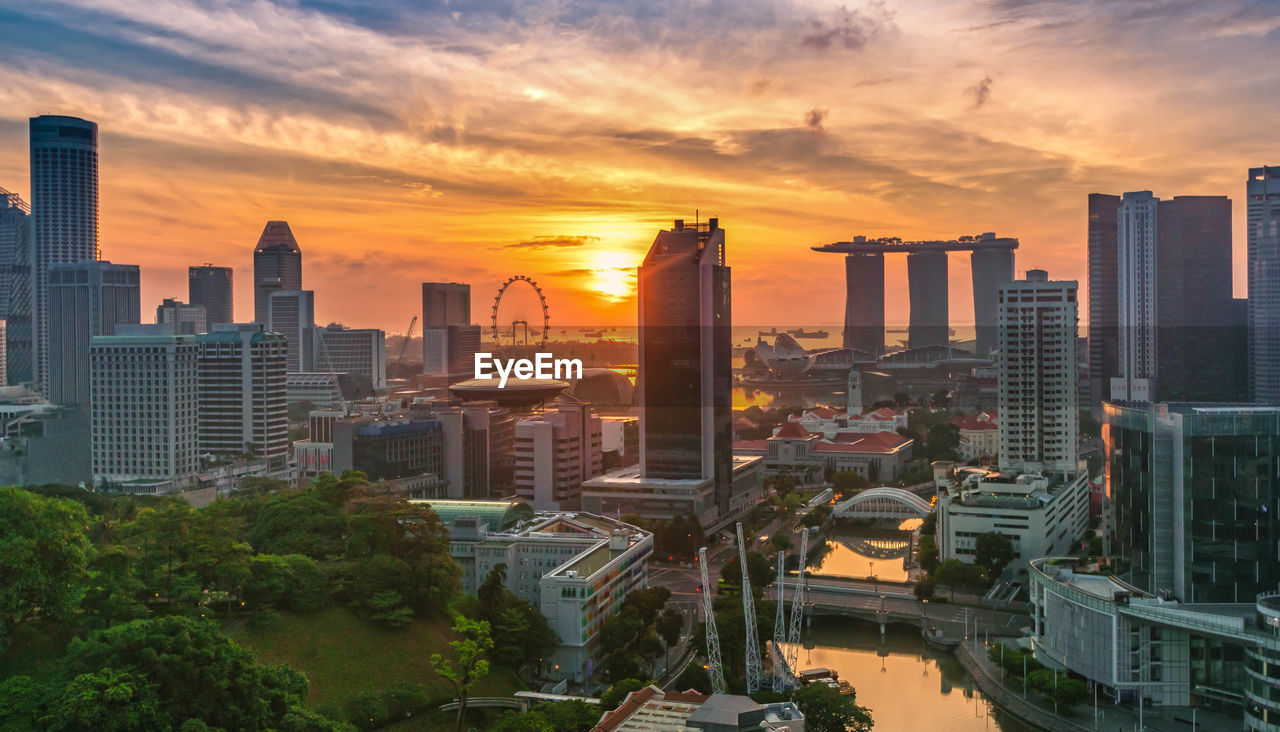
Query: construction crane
{"points": [[408, 336], [714, 668], [749, 613], [780, 630], [797, 607]]}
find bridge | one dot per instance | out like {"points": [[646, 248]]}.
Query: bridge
{"points": [[896, 605], [883, 502]]}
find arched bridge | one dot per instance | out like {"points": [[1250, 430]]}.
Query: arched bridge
{"points": [[884, 502]]}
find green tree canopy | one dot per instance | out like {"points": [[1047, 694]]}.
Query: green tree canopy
{"points": [[827, 710], [44, 557], [994, 551]]}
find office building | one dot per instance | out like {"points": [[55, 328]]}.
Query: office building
{"points": [[388, 448], [1155, 651], [555, 452], [292, 314], [1043, 514], [15, 249], [1263, 256], [479, 447], [143, 409], [620, 440], [277, 265], [1039, 417], [211, 287], [575, 568], [345, 350], [1104, 334], [1193, 491], [1175, 331], [64, 213], [447, 329], [42, 443], [185, 319], [243, 411], [86, 299]]}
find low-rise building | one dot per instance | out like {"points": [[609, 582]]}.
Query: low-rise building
{"points": [[979, 435], [830, 422], [878, 456], [576, 568], [1138, 648], [653, 710], [1042, 514], [628, 491]]}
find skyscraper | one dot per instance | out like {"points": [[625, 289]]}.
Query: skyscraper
{"points": [[292, 313], [86, 299], [241, 375], [1134, 379], [277, 265], [556, 451], [210, 286], [186, 319], [352, 351], [990, 268], [64, 213], [1263, 190], [864, 302], [15, 270], [685, 370], [1104, 335], [1039, 419], [446, 308], [930, 324], [143, 408]]}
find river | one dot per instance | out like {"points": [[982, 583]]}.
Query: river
{"points": [[906, 685]]}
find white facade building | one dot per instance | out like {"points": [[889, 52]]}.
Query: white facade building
{"points": [[185, 319], [143, 409], [555, 453], [576, 568], [1136, 297], [1043, 515], [1039, 418], [352, 351]]}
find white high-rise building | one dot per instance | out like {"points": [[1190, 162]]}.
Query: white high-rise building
{"points": [[352, 351], [243, 408], [1039, 421], [143, 408], [555, 453], [187, 319], [1263, 197], [1136, 297], [292, 313]]}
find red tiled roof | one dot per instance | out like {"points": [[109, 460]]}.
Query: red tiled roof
{"points": [[761, 445], [883, 414], [637, 699], [974, 422], [823, 412], [743, 422], [880, 442], [792, 430]]}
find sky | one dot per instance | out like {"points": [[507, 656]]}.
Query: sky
{"points": [[408, 141]]}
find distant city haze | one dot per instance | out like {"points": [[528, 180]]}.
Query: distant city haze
{"points": [[405, 145]]}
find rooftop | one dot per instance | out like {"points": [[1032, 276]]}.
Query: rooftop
{"points": [[499, 515]]}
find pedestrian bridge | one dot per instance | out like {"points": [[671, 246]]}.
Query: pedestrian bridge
{"points": [[883, 502]]}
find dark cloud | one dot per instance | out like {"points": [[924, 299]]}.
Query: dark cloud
{"points": [[849, 29], [552, 242], [813, 119], [980, 92]]}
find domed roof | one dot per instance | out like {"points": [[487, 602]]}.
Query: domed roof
{"points": [[602, 387], [517, 392], [276, 236]]}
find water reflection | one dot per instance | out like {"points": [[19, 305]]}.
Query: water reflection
{"points": [[862, 553], [906, 685], [807, 397]]}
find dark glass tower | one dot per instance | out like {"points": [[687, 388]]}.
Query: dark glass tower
{"points": [[927, 290], [15, 273], [210, 286], [1104, 336], [685, 374], [277, 265], [64, 212]]}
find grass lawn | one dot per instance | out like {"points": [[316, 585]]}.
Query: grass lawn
{"points": [[343, 655]]}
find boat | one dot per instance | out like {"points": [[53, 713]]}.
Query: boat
{"points": [[595, 334], [767, 333], [802, 333]]}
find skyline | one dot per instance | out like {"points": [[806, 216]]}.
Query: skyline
{"points": [[552, 140]]}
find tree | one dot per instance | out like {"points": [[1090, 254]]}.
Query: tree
{"points": [[780, 542], [827, 710], [954, 572], [902, 399], [849, 482], [943, 442], [44, 556], [928, 550], [574, 715], [617, 693], [1061, 692], [994, 551], [693, 677], [925, 587], [469, 665], [184, 668], [760, 571], [670, 625]]}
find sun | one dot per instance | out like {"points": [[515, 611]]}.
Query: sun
{"points": [[613, 275]]}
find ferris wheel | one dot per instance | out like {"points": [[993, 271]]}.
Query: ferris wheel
{"points": [[520, 313]]}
